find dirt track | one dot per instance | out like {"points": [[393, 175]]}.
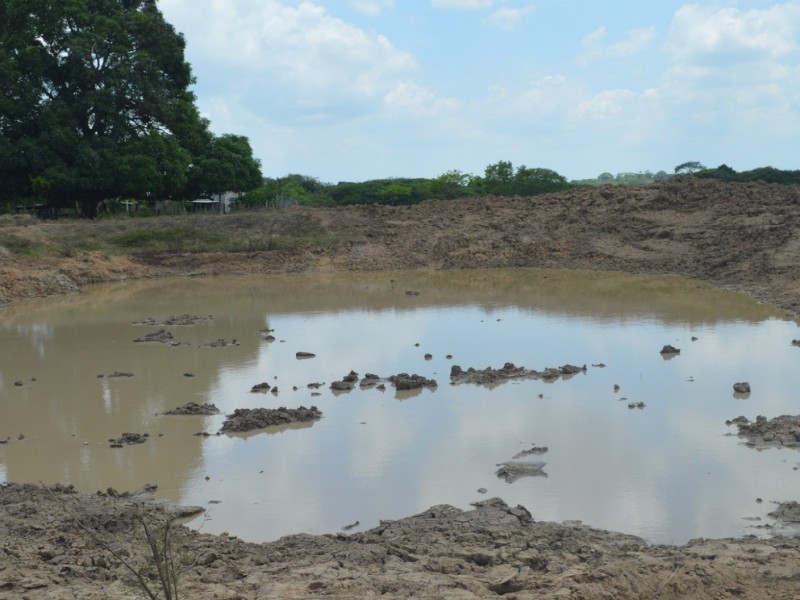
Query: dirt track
{"points": [[744, 237]]}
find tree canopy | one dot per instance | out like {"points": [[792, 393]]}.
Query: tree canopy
{"points": [[95, 103]]}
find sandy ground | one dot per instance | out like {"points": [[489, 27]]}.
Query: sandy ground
{"points": [[743, 237]]}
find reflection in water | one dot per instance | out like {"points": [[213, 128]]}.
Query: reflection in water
{"points": [[666, 472]]}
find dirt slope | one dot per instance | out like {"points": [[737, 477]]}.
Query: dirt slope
{"points": [[741, 236]]}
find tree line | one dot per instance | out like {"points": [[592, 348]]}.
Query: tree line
{"points": [[499, 179]]}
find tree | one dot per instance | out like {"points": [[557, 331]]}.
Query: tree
{"points": [[226, 165], [87, 84], [453, 184], [499, 178], [689, 167], [529, 182]]}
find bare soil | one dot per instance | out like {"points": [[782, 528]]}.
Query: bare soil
{"points": [[744, 237]]}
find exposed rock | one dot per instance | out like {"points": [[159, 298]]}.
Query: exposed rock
{"points": [[511, 471], [795, 342], [192, 408], [121, 374], [302, 355], [667, 349], [248, 419], [741, 387], [260, 387], [639, 405]]}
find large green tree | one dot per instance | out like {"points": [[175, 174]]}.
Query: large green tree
{"points": [[89, 90], [225, 165]]}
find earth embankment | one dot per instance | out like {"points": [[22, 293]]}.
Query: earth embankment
{"points": [[737, 236]]}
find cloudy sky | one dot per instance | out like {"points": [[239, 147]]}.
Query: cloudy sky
{"points": [[350, 90]]}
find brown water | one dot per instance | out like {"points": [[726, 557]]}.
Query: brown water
{"points": [[667, 472]]}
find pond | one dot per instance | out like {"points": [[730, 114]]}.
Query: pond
{"points": [[669, 471]]}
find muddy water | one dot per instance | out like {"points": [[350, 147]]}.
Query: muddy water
{"points": [[667, 472]]}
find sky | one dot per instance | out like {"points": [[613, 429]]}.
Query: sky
{"points": [[352, 90]]}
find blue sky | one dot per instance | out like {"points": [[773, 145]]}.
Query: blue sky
{"points": [[351, 90]]}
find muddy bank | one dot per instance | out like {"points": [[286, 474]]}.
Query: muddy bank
{"points": [[488, 551], [738, 236]]}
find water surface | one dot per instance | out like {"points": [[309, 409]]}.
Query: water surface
{"points": [[668, 472]]}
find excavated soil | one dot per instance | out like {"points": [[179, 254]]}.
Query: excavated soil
{"points": [[736, 236]]}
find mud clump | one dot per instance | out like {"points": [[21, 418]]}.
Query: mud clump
{"points": [[510, 371], [787, 512], [248, 419], [193, 408], [220, 343], [128, 439], [780, 432], [346, 383], [404, 381], [535, 450], [162, 336], [173, 320], [511, 471]]}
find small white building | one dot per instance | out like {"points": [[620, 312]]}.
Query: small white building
{"points": [[222, 203]]}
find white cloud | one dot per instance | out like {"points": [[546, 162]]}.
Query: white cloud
{"points": [[597, 48], [292, 50], [508, 18], [415, 100], [707, 34], [462, 4], [605, 105], [371, 7]]}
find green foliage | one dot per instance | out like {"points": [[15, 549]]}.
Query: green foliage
{"points": [[168, 239], [500, 179], [19, 245], [381, 191], [452, 184], [689, 167], [765, 174], [226, 164], [628, 178]]}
